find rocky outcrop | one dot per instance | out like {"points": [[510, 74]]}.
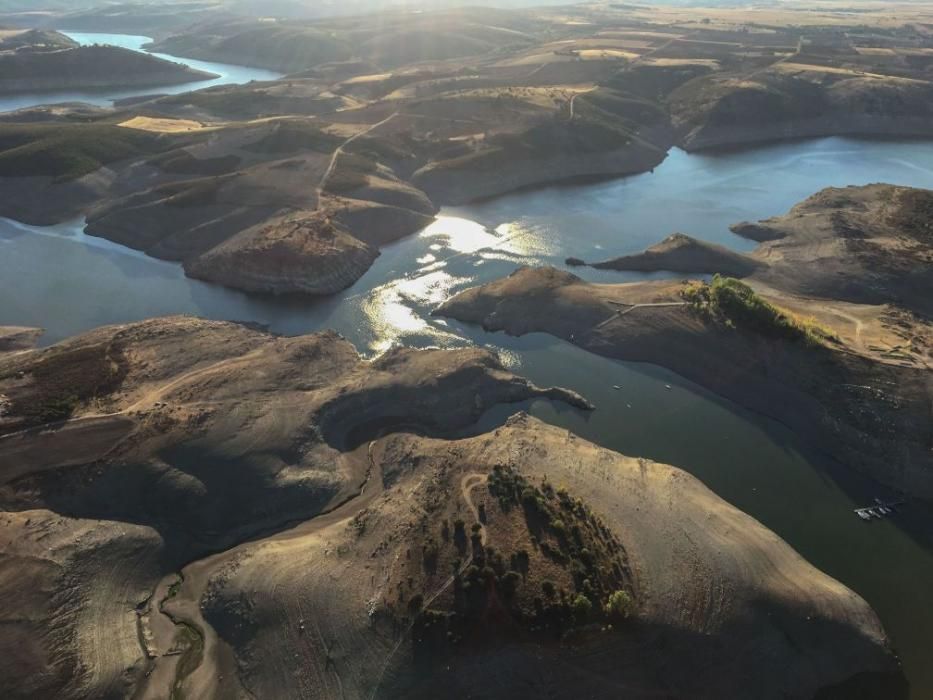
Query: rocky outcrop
{"points": [[297, 253]]}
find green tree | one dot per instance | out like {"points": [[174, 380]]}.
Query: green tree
{"points": [[581, 606], [619, 605]]}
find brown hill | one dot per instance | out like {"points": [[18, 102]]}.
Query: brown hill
{"points": [[681, 253], [89, 67]]}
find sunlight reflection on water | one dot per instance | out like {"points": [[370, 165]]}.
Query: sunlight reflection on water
{"points": [[396, 310], [399, 309]]}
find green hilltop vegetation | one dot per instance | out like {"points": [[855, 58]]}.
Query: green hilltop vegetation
{"points": [[915, 215], [67, 152], [549, 563], [737, 305], [64, 379]]}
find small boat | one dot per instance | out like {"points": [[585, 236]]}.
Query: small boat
{"points": [[616, 387], [863, 515], [667, 386]]}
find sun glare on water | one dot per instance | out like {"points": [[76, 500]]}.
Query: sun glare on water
{"points": [[397, 310]]}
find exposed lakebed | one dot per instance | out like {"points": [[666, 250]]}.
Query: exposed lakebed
{"points": [[67, 282]]}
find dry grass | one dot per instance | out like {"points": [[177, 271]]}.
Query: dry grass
{"points": [[590, 54], [162, 125], [789, 67], [814, 331]]}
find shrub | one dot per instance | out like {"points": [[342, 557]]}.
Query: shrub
{"points": [[66, 152], [530, 498], [619, 605], [581, 607], [739, 306], [520, 560], [509, 582], [914, 215]]}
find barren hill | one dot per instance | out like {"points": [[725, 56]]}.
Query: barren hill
{"points": [[325, 546], [681, 253]]}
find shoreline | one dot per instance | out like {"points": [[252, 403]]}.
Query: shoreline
{"points": [[77, 197]]}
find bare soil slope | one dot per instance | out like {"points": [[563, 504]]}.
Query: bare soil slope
{"points": [[681, 253], [871, 413], [130, 450], [366, 605], [868, 245]]}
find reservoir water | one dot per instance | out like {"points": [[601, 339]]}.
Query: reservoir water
{"points": [[67, 282]]}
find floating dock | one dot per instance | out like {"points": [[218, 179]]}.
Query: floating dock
{"points": [[881, 509]]}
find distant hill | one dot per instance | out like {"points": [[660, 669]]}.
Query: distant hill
{"points": [[389, 39], [32, 67], [34, 40]]}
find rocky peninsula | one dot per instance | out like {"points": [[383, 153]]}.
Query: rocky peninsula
{"points": [[830, 336]]}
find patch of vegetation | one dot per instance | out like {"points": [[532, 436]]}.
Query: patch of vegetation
{"points": [[914, 215], [381, 149], [193, 193], [619, 605], [276, 46], [613, 110], [64, 378], [183, 163], [71, 151], [497, 593], [293, 135], [350, 173], [237, 100], [582, 607], [736, 305], [174, 588]]}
